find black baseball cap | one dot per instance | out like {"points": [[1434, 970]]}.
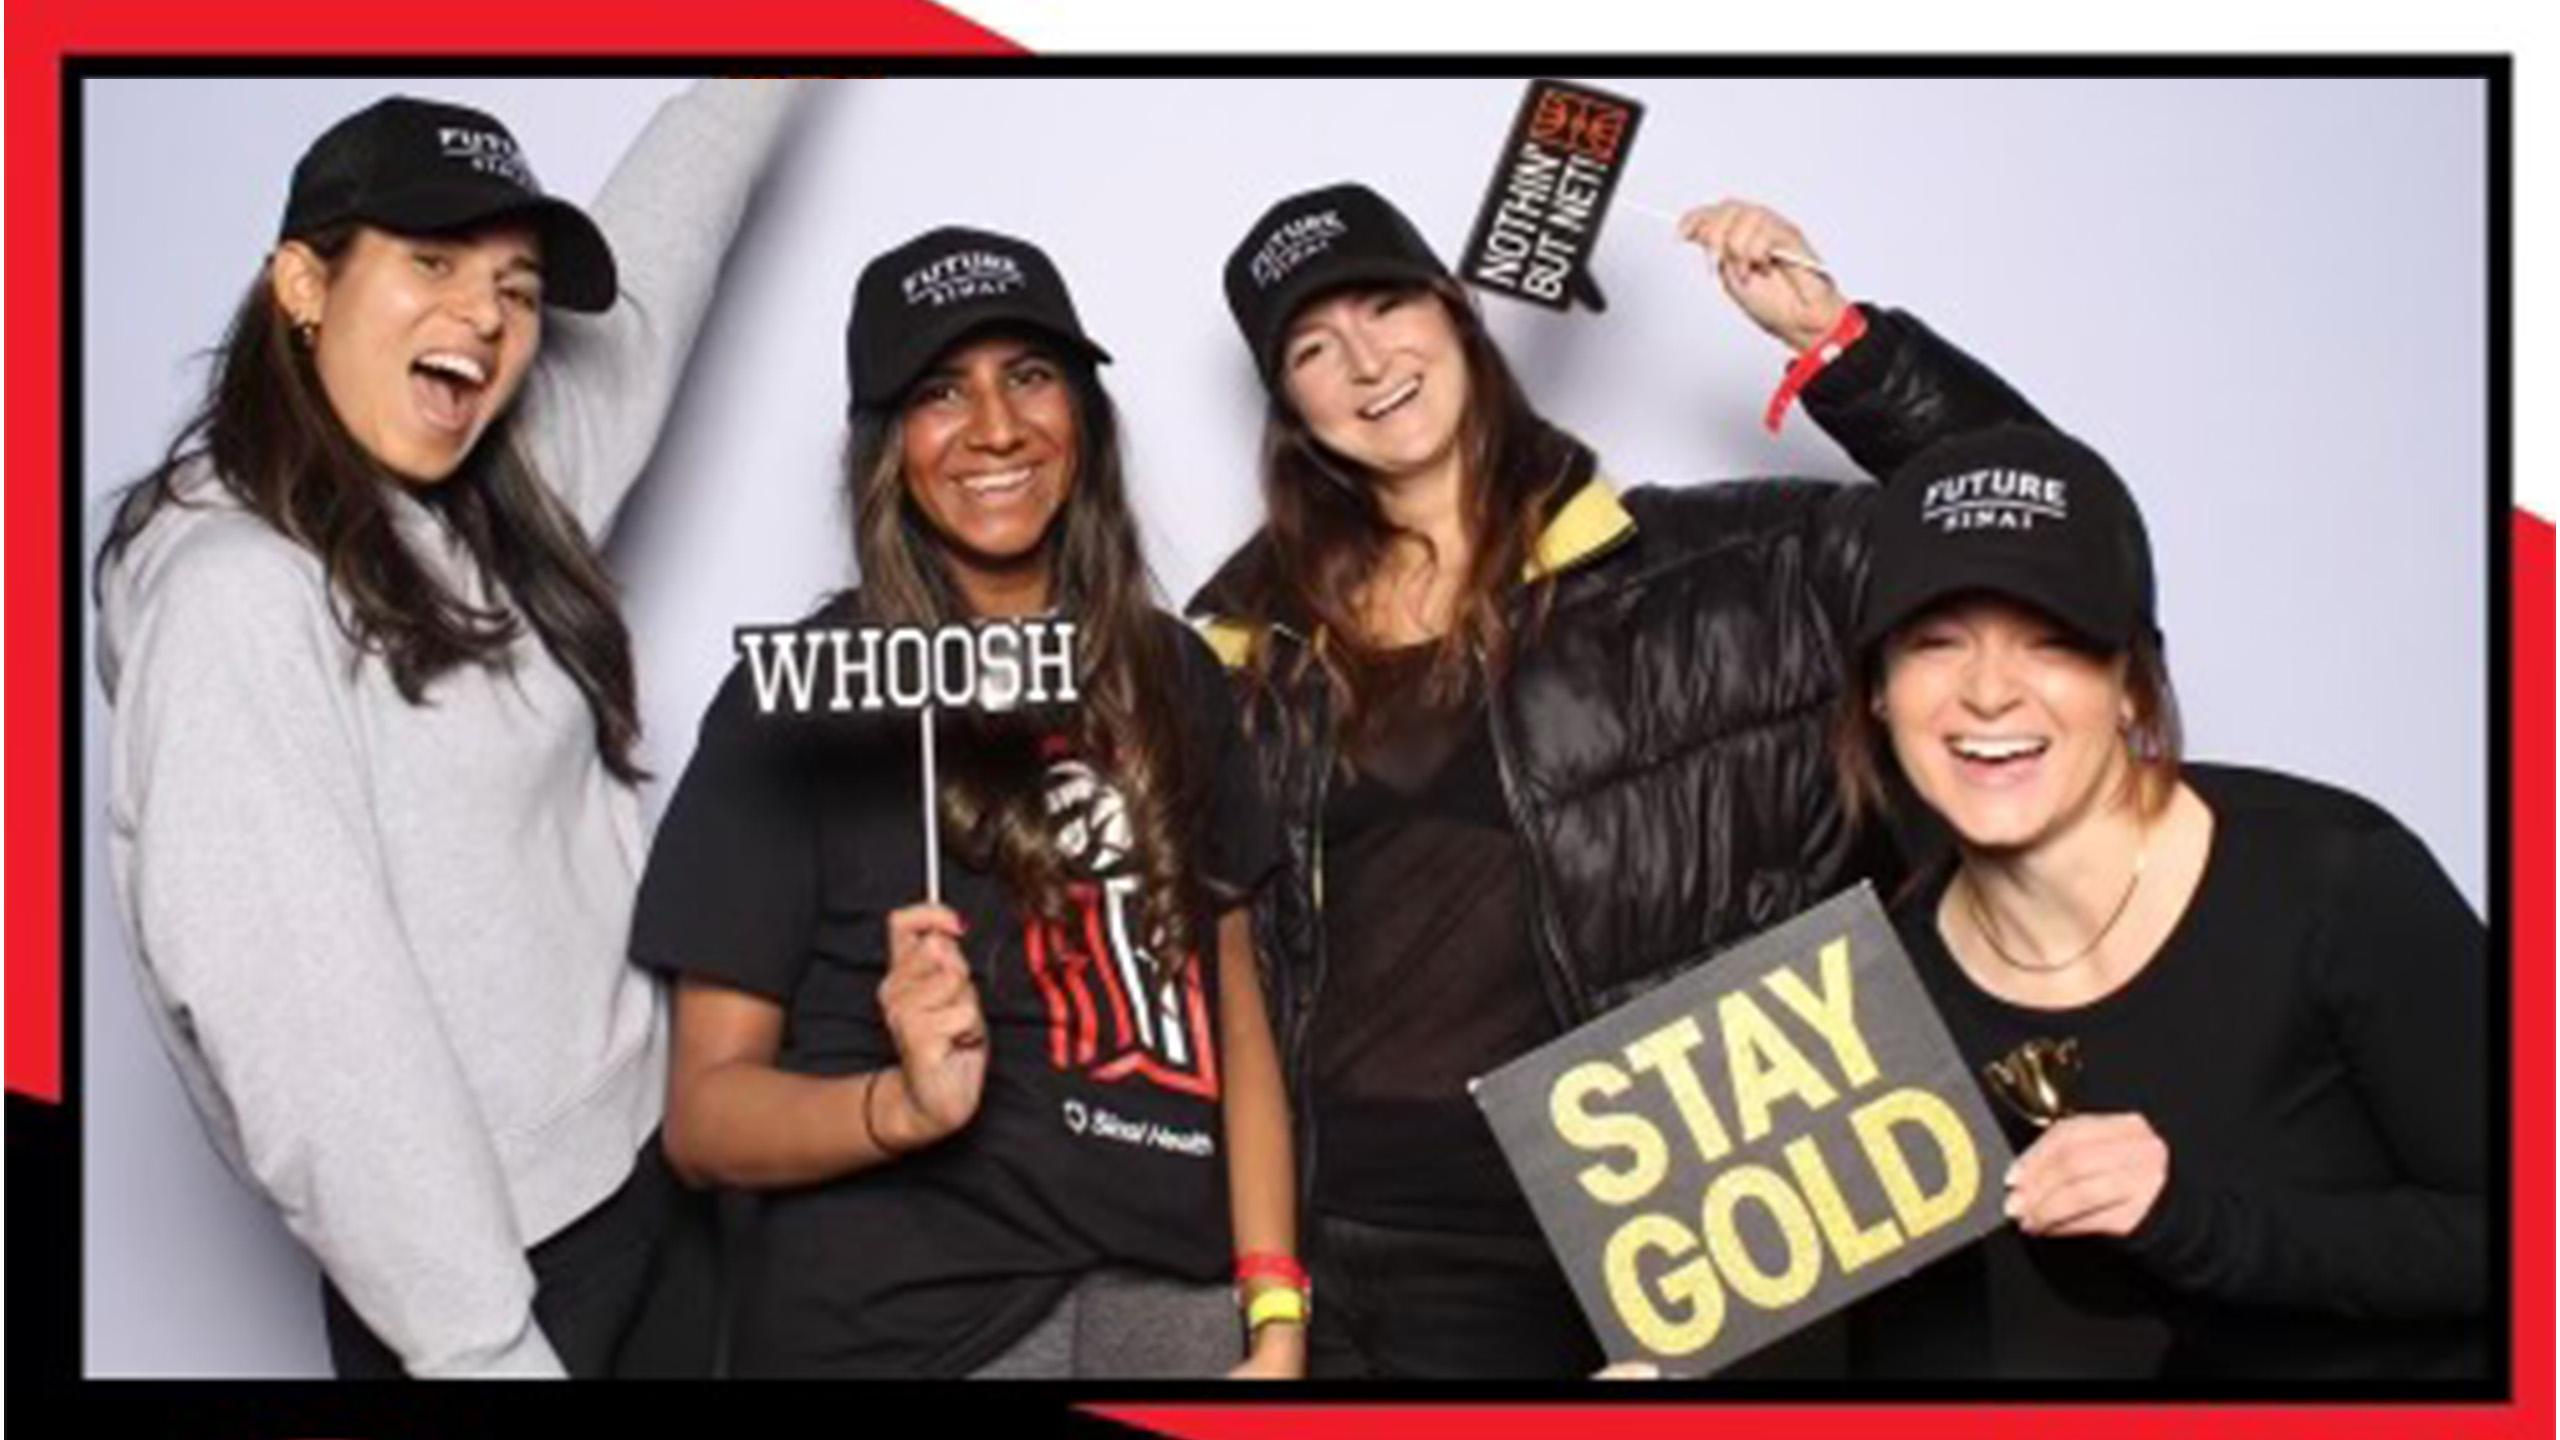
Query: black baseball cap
{"points": [[424, 167], [1320, 240], [914, 302], [2020, 511]]}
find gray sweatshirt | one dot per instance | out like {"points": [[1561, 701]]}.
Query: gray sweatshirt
{"points": [[384, 943]]}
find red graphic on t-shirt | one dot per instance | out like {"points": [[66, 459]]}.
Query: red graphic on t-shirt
{"points": [[1111, 1016], [1115, 1009]]}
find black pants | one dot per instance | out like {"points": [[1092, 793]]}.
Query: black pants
{"points": [[1393, 1303], [628, 1289]]}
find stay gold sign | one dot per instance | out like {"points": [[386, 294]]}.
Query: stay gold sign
{"points": [[1753, 1145]]}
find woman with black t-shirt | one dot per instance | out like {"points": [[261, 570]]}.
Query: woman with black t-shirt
{"points": [[2276, 1151], [1011, 1135]]}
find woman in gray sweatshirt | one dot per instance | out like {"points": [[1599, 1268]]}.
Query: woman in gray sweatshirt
{"points": [[371, 819]]}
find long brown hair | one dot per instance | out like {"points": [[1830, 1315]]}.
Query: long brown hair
{"points": [[272, 440], [993, 802], [1329, 535]]}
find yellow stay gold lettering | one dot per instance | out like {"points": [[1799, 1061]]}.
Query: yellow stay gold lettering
{"points": [[1875, 1122], [1690, 1284], [1568, 1107]]}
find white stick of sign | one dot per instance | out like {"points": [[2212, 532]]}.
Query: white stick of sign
{"points": [[932, 812], [847, 669], [1784, 257]]}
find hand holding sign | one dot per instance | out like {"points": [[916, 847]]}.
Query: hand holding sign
{"points": [[2089, 1175], [1762, 258], [931, 1008]]}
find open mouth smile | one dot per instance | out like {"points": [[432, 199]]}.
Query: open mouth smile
{"points": [[1997, 758], [448, 386], [1392, 401], [997, 484]]}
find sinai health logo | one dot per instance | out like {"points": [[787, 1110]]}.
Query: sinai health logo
{"points": [[962, 275], [1099, 1123], [1294, 243], [486, 151], [1994, 500]]}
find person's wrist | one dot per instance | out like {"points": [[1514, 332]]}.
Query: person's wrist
{"points": [[1269, 1302], [1848, 325], [1280, 1340], [1816, 327], [901, 1124]]}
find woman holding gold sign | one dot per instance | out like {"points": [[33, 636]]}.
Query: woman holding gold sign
{"points": [[2246, 1011]]}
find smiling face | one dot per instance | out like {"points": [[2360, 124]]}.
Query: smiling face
{"points": [[2008, 726], [422, 340], [987, 445], [1380, 377]]}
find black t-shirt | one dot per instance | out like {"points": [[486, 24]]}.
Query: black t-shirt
{"points": [[1430, 980], [1097, 1138], [2310, 1041]]}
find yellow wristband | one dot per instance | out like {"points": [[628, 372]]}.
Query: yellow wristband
{"points": [[1278, 1303]]}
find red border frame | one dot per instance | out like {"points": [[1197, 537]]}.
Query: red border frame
{"points": [[42, 34]]}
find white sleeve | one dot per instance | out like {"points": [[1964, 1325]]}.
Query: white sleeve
{"points": [[602, 385], [260, 912]]}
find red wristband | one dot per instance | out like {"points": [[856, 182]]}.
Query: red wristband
{"points": [[1843, 333], [1268, 1265]]}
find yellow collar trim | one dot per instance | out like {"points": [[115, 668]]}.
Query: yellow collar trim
{"points": [[1590, 522], [1230, 640]]}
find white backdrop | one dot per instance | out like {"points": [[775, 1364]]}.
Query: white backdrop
{"points": [[2266, 301]]}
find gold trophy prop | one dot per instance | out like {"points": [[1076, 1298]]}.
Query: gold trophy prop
{"points": [[2035, 1079]]}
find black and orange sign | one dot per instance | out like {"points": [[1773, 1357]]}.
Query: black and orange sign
{"points": [[1551, 189], [1733, 1156]]}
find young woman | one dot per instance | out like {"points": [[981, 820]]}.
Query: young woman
{"points": [[1537, 744], [372, 823], [2278, 1157], [1013, 1134]]}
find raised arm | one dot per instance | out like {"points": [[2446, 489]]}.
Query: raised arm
{"points": [[1884, 394], [600, 391], [249, 865]]}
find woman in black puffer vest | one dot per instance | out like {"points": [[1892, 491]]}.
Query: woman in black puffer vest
{"points": [[1538, 744]]}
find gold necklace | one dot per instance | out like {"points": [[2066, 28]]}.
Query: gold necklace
{"points": [[2124, 902]]}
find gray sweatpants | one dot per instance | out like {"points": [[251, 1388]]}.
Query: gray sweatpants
{"points": [[1127, 1324]]}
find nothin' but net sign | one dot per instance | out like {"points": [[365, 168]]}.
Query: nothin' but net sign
{"points": [[1734, 1155], [1551, 189]]}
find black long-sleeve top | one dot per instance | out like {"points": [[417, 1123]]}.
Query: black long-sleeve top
{"points": [[2311, 1043]]}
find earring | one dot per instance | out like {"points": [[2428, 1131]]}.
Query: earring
{"points": [[307, 331]]}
